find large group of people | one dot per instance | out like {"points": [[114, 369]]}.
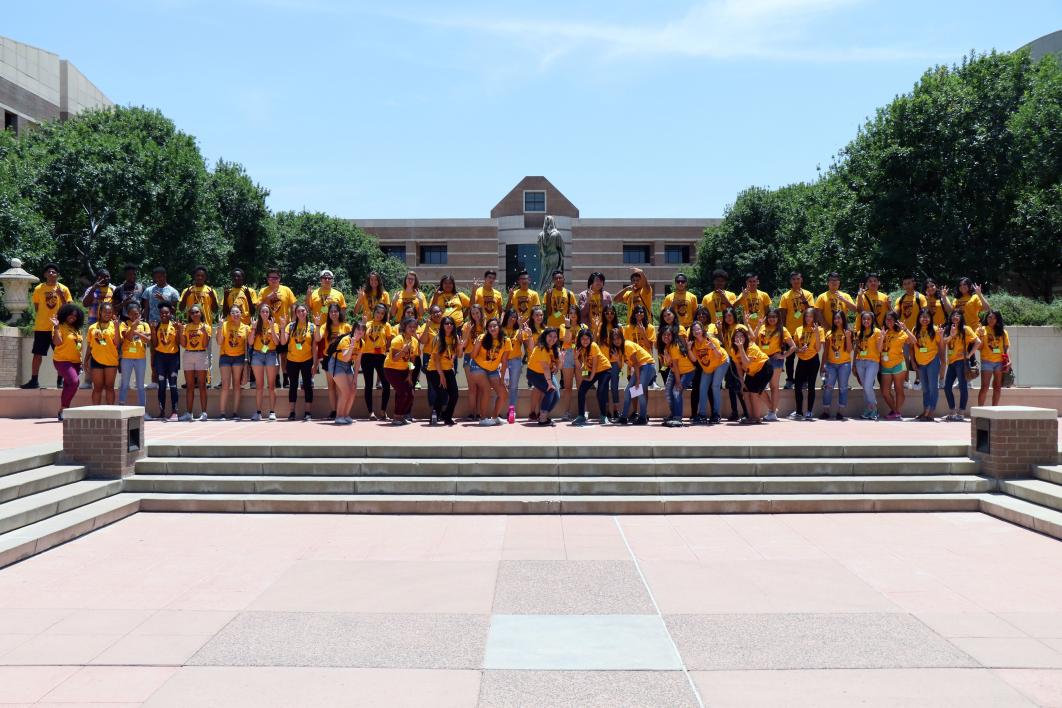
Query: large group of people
{"points": [[559, 344]]}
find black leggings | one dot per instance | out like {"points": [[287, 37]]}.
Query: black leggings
{"points": [[789, 360], [445, 398], [733, 389], [166, 368], [295, 369], [807, 370], [372, 365], [601, 380]]}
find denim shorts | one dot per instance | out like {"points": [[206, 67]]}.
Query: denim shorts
{"points": [[568, 359], [227, 360], [776, 363], [990, 366], [260, 358], [340, 368], [474, 368]]}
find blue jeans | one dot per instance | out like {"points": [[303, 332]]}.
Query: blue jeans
{"points": [[549, 398], [516, 365], [674, 391], [836, 375], [601, 380], [613, 385], [712, 382], [930, 375], [128, 368], [645, 377], [956, 372], [867, 373]]}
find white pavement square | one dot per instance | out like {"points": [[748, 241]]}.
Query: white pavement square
{"points": [[580, 642]]}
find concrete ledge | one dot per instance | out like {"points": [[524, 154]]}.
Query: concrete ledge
{"points": [[103, 413], [1012, 413]]}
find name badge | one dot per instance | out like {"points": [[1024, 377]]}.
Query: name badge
{"points": [[101, 342], [797, 314], [718, 315], [754, 315], [923, 349], [997, 350], [862, 352], [885, 356], [410, 366], [558, 314], [265, 348], [298, 346]]}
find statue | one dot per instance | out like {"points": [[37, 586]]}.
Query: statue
{"points": [[551, 253]]}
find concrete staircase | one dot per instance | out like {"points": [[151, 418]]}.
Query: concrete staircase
{"points": [[633, 478], [43, 504], [1032, 503]]}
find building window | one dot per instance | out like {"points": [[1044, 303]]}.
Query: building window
{"points": [[674, 255], [535, 201], [635, 255], [11, 121], [396, 252], [433, 255]]}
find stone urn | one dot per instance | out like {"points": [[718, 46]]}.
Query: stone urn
{"points": [[16, 284]]}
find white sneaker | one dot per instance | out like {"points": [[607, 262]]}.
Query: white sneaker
{"points": [[795, 416], [256, 417], [486, 421], [771, 417], [272, 415], [152, 386], [808, 416], [148, 416], [186, 418], [498, 421], [203, 417], [916, 386]]}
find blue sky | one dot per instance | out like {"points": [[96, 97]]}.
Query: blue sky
{"points": [[429, 109]]}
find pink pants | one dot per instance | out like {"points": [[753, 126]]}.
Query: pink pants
{"points": [[69, 374]]}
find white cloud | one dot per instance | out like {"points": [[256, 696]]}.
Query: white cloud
{"points": [[718, 29]]}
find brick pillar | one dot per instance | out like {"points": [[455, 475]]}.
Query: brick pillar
{"points": [[107, 440], [10, 356], [1008, 441]]}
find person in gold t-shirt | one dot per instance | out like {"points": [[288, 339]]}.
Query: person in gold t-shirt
{"points": [[103, 338], [47, 298], [67, 355], [995, 356]]}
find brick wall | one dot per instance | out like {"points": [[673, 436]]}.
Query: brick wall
{"points": [[101, 445], [1015, 446]]}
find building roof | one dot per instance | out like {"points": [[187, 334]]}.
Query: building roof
{"points": [[512, 204]]}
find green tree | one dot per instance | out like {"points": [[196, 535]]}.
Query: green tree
{"points": [[244, 219], [113, 186], [312, 241]]}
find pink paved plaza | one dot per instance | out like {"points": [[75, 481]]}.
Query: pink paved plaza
{"points": [[281, 610], [185, 610]]}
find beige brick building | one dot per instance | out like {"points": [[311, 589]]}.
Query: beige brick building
{"points": [[36, 85], [508, 241]]}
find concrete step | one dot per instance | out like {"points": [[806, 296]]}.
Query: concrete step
{"points": [[40, 536], [1037, 491], [37, 507], [660, 467], [554, 504], [563, 485], [23, 484], [1049, 473], [1023, 513], [27, 458], [487, 450]]}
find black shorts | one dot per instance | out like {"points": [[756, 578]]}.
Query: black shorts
{"points": [[96, 365], [282, 348], [42, 342], [757, 382]]}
